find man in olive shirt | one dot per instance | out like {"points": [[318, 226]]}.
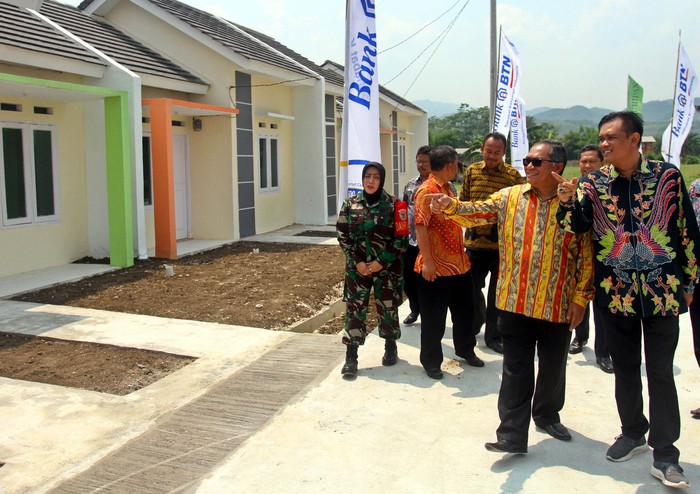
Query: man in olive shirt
{"points": [[480, 181]]}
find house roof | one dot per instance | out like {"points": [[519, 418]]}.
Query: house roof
{"points": [[329, 75], [21, 30], [115, 43], [228, 35]]}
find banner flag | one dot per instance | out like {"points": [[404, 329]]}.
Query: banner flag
{"points": [[508, 87], [683, 110], [360, 131], [519, 145], [635, 95]]}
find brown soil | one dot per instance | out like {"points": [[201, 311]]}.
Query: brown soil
{"points": [[261, 285]]}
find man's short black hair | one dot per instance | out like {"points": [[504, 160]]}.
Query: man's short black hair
{"points": [[498, 136], [591, 147], [441, 156], [631, 121], [423, 150]]}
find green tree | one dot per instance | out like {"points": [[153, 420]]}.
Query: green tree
{"points": [[691, 145], [574, 140], [461, 128], [448, 137], [536, 131]]}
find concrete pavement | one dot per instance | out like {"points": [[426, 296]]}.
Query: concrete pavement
{"points": [[390, 430]]}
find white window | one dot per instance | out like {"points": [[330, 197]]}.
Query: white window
{"points": [[28, 173], [268, 154], [402, 158]]}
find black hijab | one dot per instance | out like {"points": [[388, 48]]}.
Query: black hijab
{"points": [[374, 198]]}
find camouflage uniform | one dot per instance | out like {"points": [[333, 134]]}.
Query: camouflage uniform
{"points": [[366, 234]]}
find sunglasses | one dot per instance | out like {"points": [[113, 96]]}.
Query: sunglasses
{"points": [[535, 161]]}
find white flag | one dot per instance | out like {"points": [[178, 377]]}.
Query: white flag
{"points": [[683, 110], [519, 145], [360, 134], [508, 87]]}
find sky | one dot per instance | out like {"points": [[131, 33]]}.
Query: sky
{"points": [[572, 52]]}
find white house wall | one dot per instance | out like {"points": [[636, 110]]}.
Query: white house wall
{"points": [[309, 150]]}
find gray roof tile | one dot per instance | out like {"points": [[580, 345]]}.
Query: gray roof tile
{"points": [[114, 43], [227, 35], [20, 29]]}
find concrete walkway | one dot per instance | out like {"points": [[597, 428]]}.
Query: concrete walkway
{"points": [[267, 412], [390, 430]]}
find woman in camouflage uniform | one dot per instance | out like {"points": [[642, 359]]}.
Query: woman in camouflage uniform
{"points": [[372, 262]]}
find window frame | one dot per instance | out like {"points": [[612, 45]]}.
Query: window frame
{"points": [[268, 139], [402, 158], [147, 135], [32, 216]]}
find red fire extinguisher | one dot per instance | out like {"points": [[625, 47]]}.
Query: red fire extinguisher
{"points": [[400, 218]]}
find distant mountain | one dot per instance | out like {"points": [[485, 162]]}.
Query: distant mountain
{"points": [[437, 108], [575, 113], [656, 114], [536, 111]]}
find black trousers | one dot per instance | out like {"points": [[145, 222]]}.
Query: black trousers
{"points": [[660, 342], [694, 310], [521, 394], [583, 331], [485, 262], [446, 292], [410, 278]]}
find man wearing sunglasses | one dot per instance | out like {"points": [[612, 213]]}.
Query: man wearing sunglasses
{"points": [[644, 234], [544, 284]]}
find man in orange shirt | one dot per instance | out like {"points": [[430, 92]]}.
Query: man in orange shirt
{"points": [[443, 265]]}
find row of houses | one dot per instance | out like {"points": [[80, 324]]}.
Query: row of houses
{"points": [[129, 125]]}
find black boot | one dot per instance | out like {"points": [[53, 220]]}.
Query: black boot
{"points": [[350, 367], [391, 354]]}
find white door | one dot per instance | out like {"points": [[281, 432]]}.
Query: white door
{"points": [[182, 199]]}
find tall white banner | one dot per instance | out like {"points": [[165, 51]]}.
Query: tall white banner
{"points": [[683, 110], [508, 87], [360, 133], [519, 145]]}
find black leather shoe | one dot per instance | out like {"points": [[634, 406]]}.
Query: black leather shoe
{"points": [[605, 364], [505, 446], [472, 360], [577, 346], [435, 373], [495, 345], [557, 431], [411, 318]]}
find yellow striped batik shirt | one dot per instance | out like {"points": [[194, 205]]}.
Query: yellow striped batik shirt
{"points": [[542, 268], [478, 185]]}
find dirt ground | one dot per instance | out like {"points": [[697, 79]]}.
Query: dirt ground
{"points": [[261, 285]]}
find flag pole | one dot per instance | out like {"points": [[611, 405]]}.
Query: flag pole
{"points": [[495, 79], [494, 64], [675, 90]]}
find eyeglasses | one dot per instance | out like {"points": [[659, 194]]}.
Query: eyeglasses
{"points": [[535, 161]]}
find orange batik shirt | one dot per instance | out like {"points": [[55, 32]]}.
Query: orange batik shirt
{"points": [[542, 268], [445, 236]]}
